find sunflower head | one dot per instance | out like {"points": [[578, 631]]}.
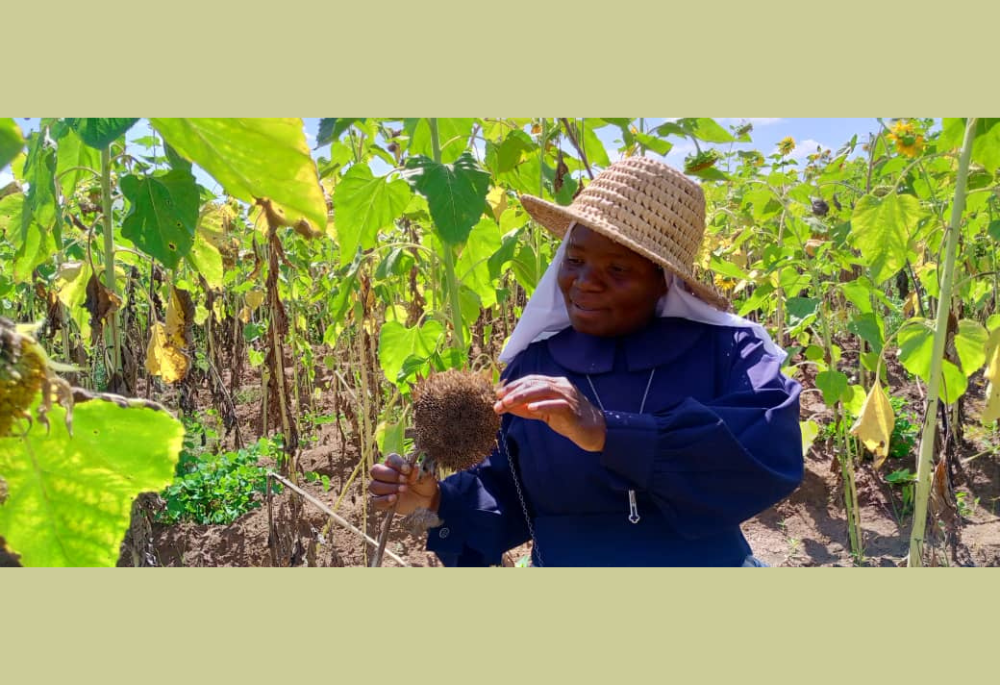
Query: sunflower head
{"points": [[786, 145], [909, 142]]}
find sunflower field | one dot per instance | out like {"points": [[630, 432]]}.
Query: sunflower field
{"points": [[209, 333]]}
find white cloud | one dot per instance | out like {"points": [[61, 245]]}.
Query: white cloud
{"points": [[750, 120], [5, 178]]}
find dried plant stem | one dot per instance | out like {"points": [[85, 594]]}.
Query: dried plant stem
{"points": [[334, 516]]}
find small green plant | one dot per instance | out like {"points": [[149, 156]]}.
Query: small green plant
{"points": [[904, 480], [965, 509], [904, 431], [218, 489], [312, 477]]}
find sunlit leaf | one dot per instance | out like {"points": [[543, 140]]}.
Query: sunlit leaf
{"points": [[206, 259], [253, 158], [69, 499], [970, 343], [472, 267], [881, 230], [874, 424], [76, 162], [810, 431], [11, 141], [363, 204], [453, 137], [163, 215], [916, 348], [166, 354], [397, 343]]}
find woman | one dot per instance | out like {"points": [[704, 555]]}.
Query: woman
{"points": [[640, 423]]}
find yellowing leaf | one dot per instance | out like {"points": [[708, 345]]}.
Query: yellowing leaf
{"points": [[254, 299], [166, 354], [810, 430], [162, 358], [991, 412], [875, 423]]}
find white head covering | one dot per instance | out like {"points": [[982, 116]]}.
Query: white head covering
{"points": [[545, 314]]}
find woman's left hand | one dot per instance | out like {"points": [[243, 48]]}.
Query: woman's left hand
{"points": [[558, 403]]}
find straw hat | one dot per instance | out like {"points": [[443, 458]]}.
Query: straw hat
{"points": [[648, 207]]}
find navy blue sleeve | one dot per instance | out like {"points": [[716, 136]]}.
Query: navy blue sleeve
{"points": [[481, 512], [711, 465]]}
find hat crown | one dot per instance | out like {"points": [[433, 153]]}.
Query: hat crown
{"points": [[652, 204]]}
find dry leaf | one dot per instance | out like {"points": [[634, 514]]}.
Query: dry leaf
{"points": [[875, 423], [166, 354]]}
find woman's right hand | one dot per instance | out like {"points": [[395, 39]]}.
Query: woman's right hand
{"points": [[395, 479]]}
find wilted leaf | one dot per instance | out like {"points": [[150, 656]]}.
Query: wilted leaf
{"points": [[100, 302], [69, 499], [166, 354], [875, 423]]}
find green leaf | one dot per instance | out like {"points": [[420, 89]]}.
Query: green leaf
{"points": [[916, 348], [100, 132], [834, 385], [331, 129], [881, 231], [163, 216], [253, 158], [363, 204], [504, 254], [11, 141], [396, 343], [859, 292], [870, 328], [801, 308], [70, 498], [73, 160], [453, 137], [727, 269], [206, 259], [507, 155], [970, 343], [657, 145], [708, 130], [594, 149], [994, 230], [473, 267], [456, 194]]}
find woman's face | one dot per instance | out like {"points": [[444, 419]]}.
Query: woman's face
{"points": [[609, 289]]}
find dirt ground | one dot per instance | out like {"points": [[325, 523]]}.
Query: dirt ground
{"points": [[807, 529]]}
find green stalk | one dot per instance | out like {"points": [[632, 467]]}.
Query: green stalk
{"points": [[109, 257], [924, 467], [451, 280]]}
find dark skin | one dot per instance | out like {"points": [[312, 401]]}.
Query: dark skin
{"points": [[610, 291]]}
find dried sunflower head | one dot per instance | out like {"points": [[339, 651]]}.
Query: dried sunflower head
{"points": [[453, 417], [25, 370]]}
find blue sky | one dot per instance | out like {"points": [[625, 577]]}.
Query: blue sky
{"points": [[808, 134]]}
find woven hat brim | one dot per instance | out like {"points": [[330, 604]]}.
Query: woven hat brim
{"points": [[557, 220]]}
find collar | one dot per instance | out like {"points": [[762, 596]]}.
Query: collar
{"points": [[662, 341]]}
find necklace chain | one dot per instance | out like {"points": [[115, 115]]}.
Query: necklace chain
{"points": [[634, 517]]}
